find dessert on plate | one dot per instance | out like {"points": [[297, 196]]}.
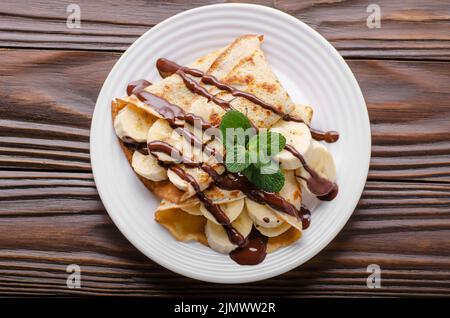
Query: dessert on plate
{"points": [[226, 149]]}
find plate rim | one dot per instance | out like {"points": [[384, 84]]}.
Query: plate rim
{"points": [[276, 271]]}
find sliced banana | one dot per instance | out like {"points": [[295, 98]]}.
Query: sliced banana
{"points": [[321, 161], [147, 166], [231, 209], [218, 238], [161, 131], [134, 123], [273, 231], [201, 177], [243, 224], [291, 192], [297, 135], [262, 215]]}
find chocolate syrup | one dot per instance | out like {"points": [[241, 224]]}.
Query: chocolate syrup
{"points": [[167, 67], [133, 145], [169, 111], [137, 85], [194, 87], [306, 217], [253, 252], [237, 181], [327, 136], [324, 189]]}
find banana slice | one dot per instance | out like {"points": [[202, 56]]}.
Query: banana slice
{"points": [[217, 236], [262, 215], [231, 209], [297, 135], [243, 224], [134, 123], [321, 161], [161, 131], [147, 166], [199, 175], [273, 231], [291, 192]]}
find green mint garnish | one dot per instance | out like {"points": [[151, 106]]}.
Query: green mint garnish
{"points": [[264, 145], [268, 182], [235, 128], [251, 153], [237, 158]]}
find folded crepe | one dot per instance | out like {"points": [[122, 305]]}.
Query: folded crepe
{"points": [[241, 64]]}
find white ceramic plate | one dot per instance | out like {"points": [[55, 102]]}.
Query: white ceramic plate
{"points": [[310, 69]]}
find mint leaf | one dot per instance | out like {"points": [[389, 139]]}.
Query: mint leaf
{"points": [[270, 182], [264, 145], [277, 142], [268, 142], [235, 127], [237, 159], [249, 171]]}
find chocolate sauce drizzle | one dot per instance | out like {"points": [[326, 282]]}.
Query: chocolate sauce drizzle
{"points": [[252, 253], [171, 112], [133, 145], [252, 250], [324, 189], [167, 67], [234, 236], [137, 85], [198, 89]]}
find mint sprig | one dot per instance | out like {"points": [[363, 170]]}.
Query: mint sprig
{"points": [[237, 159], [272, 182], [234, 127], [251, 153]]}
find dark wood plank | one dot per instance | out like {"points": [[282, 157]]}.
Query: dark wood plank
{"points": [[48, 98], [409, 29], [57, 219]]}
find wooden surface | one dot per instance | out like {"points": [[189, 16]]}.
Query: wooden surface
{"points": [[50, 212]]}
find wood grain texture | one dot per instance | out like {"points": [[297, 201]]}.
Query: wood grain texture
{"points": [[48, 97], [57, 219], [410, 29], [50, 212]]}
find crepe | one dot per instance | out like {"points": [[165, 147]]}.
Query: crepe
{"points": [[241, 64]]}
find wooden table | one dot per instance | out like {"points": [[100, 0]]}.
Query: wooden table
{"points": [[51, 215]]}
